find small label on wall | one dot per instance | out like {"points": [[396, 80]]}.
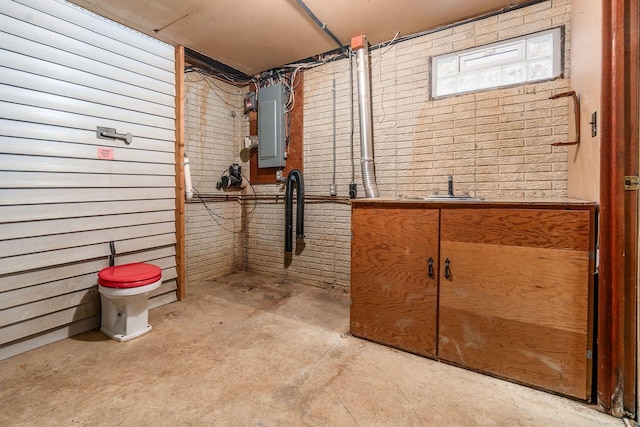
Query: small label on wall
{"points": [[105, 153]]}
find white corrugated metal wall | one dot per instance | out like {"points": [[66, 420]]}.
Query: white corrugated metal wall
{"points": [[64, 194]]}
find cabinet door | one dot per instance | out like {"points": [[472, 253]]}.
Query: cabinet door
{"points": [[393, 298], [517, 300]]}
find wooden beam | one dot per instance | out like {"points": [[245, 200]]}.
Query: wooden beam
{"points": [[180, 225]]}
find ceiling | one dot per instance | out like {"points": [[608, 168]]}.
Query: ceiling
{"points": [[256, 35]]}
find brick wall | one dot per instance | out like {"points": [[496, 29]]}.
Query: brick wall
{"points": [[214, 126], [496, 143]]}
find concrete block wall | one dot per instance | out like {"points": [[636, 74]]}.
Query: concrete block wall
{"points": [[214, 126]]}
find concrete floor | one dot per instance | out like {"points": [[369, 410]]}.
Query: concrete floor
{"points": [[248, 350]]}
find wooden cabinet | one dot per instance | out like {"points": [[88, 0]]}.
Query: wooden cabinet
{"points": [[393, 295], [511, 294], [516, 302]]}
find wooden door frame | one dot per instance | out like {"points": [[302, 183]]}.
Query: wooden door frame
{"points": [[179, 149], [617, 322]]}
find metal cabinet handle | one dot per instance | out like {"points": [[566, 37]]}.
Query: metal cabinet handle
{"points": [[430, 273], [110, 133], [447, 269]]}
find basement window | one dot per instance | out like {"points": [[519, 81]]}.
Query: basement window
{"points": [[524, 59]]}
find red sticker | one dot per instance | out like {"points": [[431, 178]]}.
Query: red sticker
{"points": [[105, 153]]}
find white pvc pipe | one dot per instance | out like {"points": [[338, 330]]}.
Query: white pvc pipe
{"points": [[188, 187]]}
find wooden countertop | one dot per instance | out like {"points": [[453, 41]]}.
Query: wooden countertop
{"points": [[554, 203]]}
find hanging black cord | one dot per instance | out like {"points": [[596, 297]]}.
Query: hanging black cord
{"points": [[295, 176]]}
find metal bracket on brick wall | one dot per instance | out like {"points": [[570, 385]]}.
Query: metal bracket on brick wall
{"points": [[576, 112]]}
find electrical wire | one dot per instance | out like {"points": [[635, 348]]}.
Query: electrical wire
{"points": [[218, 75], [213, 82], [333, 182], [292, 85], [378, 62], [216, 216], [214, 88], [389, 44], [255, 197]]}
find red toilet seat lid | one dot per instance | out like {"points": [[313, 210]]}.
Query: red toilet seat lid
{"points": [[129, 275]]}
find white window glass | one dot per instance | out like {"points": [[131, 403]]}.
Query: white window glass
{"points": [[541, 69], [513, 73], [447, 86], [447, 66], [540, 46], [491, 77], [529, 58], [467, 82]]}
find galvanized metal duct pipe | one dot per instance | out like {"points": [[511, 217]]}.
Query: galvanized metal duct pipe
{"points": [[361, 47]]}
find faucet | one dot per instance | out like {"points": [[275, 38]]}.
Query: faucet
{"points": [[450, 181]]}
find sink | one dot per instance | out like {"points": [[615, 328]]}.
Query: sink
{"points": [[445, 197]]}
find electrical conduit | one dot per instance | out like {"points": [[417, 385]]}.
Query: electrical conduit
{"points": [[323, 26]]}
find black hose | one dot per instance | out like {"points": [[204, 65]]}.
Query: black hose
{"points": [[295, 176]]}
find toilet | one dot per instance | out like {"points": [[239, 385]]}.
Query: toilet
{"points": [[124, 292]]}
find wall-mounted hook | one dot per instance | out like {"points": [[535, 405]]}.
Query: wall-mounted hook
{"points": [[576, 111], [110, 133]]}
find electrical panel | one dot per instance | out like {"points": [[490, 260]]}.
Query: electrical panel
{"points": [[271, 127]]}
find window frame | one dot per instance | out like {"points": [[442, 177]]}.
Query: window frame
{"points": [[516, 47]]}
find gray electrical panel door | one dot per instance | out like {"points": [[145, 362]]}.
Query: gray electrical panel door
{"points": [[271, 127]]}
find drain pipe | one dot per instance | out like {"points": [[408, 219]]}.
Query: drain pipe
{"points": [[295, 176], [361, 47]]}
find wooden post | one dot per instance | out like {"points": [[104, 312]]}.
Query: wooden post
{"points": [[619, 210], [631, 203], [180, 225]]}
